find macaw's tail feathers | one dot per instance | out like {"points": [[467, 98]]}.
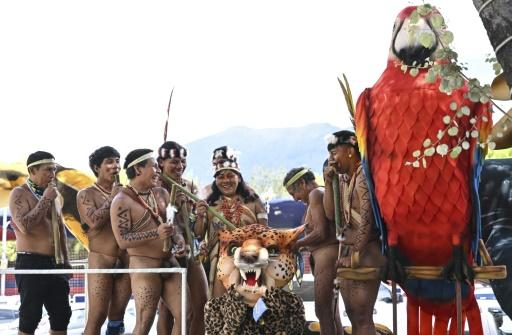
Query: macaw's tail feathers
{"points": [[441, 318]]}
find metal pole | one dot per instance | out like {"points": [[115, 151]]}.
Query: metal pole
{"points": [[458, 301], [184, 302], [4, 250], [395, 315]]}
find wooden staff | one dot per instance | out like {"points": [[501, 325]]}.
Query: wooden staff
{"points": [[186, 227], [193, 197], [458, 304], [56, 230], [170, 215], [337, 207], [423, 272], [395, 311]]}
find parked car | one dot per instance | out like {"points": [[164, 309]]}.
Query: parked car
{"points": [[8, 315]]}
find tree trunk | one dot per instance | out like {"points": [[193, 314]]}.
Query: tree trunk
{"points": [[497, 20]]}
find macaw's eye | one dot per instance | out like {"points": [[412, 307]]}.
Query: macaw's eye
{"points": [[273, 250], [232, 248]]}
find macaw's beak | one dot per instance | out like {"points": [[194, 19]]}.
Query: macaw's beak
{"points": [[414, 43]]}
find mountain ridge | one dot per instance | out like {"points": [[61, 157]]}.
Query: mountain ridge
{"points": [[270, 148]]}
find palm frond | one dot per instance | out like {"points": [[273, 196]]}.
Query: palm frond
{"points": [[345, 87]]}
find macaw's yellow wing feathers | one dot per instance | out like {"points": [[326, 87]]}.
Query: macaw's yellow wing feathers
{"points": [[74, 179], [70, 181], [11, 175]]}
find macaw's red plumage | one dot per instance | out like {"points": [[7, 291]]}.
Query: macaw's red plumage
{"points": [[425, 199]]}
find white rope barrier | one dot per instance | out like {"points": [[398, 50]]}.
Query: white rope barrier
{"points": [[181, 271]]}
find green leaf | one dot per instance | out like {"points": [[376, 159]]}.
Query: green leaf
{"points": [[437, 21], [427, 39], [446, 119], [445, 85], [446, 37], [431, 76], [465, 110], [459, 81], [403, 68], [453, 106], [414, 18], [453, 131], [416, 164], [427, 142], [474, 133], [424, 10], [491, 145], [442, 149], [416, 153], [465, 145], [424, 162], [414, 72], [455, 152], [429, 152], [497, 68], [474, 96]]}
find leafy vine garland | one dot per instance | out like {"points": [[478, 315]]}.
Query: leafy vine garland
{"points": [[450, 72]]}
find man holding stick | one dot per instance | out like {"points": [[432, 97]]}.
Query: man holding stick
{"points": [[172, 160], [321, 241], [360, 246], [107, 294], [138, 215], [40, 244]]}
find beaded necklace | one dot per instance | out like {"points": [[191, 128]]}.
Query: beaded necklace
{"points": [[36, 191], [103, 192], [348, 195], [232, 210], [149, 204]]}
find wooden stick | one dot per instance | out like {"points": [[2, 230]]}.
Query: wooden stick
{"points": [[172, 201], [394, 300], [458, 303], [192, 196], [337, 209], [422, 272], [188, 232], [56, 231], [486, 258]]}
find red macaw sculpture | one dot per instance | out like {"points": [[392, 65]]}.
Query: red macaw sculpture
{"points": [[422, 156]]}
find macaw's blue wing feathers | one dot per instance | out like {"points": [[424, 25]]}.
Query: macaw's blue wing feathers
{"points": [[361, 120]]}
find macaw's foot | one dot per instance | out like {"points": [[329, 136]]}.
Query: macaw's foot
{"points": [[458, 267], [393, 270]]}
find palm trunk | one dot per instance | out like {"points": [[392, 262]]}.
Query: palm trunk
{"points": [[497, 20]]}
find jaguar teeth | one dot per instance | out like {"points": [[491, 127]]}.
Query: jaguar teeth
{"points": [[242, 272], [258, 273]]}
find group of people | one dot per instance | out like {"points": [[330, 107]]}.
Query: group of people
{"points": [[152, 223]]}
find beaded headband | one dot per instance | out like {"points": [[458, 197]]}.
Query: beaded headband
{"points": [[172, 153], [296, 177], [140, 159], [41, 161]]}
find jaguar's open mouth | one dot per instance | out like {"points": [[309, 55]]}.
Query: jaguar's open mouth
{"points": [[251, 277]]}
